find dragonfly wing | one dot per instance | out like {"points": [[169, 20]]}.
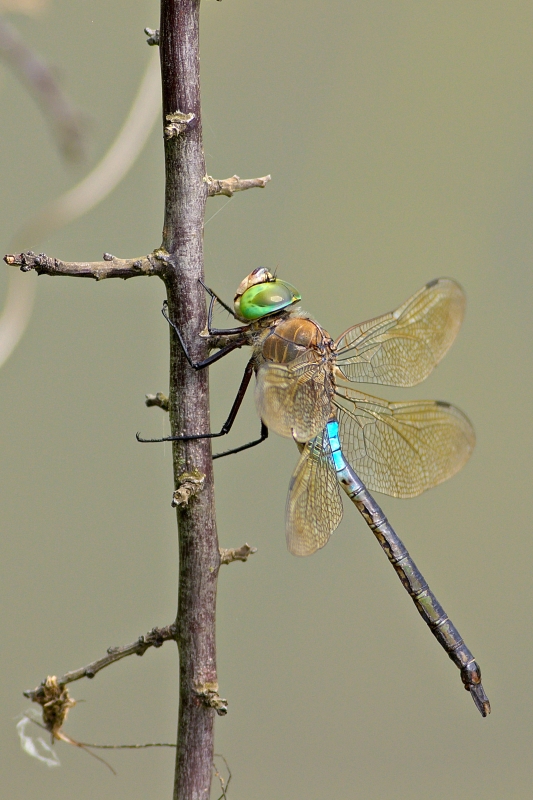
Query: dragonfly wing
{"points": [[314, 504], [294, 400], [402, 449], [402, 347]]}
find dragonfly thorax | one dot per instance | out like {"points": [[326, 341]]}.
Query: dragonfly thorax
{"points": [[291, 337]]}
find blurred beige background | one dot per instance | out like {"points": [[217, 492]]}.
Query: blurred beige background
{"points": [[399, 139]]}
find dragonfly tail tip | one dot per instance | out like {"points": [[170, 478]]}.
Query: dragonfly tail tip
{"points": [[480, 699]]}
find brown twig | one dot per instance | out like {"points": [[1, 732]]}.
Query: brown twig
{"points": [[128, 746], [229, 186], [53, 696], [155, 638], [199, 558], [110, 267], [227, 556]]}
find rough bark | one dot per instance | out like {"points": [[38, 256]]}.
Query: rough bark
{"points": [[185, 197]]}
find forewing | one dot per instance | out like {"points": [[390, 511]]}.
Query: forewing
{"points": [[294, 400], [402, 449], [402, 347], [314, 504]]}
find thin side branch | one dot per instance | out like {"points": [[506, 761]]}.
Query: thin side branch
{"points": [[229, 186], [128, 746], [227, 556], [155, 638], [110, 267]]}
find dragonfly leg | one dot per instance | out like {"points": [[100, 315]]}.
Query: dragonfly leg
{"points": [[245, 382], [263, 435], [215, 356], [214, 297], [219, 331]]}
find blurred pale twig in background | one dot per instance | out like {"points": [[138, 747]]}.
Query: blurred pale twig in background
{"points": [[77, 201], [30, 7], [41, 80], [110, 170]]}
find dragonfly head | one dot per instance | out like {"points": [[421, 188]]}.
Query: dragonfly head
{"points": [[260, 294]]}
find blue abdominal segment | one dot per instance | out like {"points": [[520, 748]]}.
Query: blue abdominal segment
{"points": [[339, 461]]}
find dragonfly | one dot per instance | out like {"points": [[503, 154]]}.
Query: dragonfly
{"points": [[348, 439]]}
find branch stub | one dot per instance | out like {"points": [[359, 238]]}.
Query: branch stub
{"points": [[179, 121], [153, 37], [189, 485]]}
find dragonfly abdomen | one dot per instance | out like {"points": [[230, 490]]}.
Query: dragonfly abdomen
{"points": [[425, 601]]}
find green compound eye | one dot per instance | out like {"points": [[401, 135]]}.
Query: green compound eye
{"points": [[265, 298]]}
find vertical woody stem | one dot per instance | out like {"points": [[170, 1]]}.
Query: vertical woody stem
{"points": [[199, 558]]}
